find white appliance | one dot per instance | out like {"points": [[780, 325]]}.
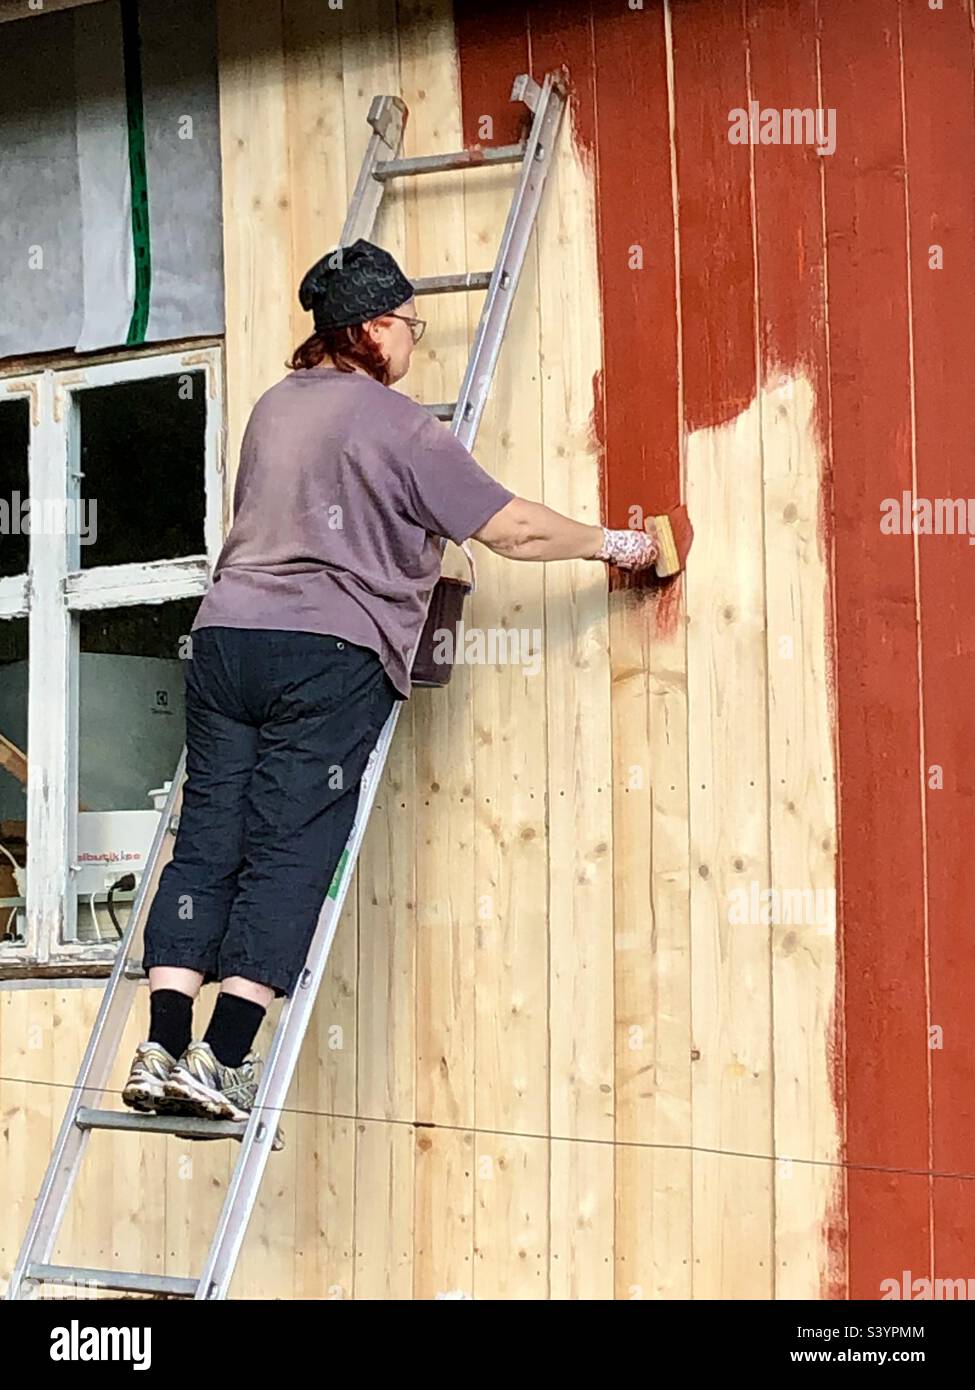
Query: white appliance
{"points": [[110, 845]]}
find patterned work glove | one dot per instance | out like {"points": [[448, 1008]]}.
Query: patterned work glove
{"points": [[628, 549]]}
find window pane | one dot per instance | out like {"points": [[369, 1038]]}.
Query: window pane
{"points": [[142, 456], [131, 733], [14, 486], [13, 772]]}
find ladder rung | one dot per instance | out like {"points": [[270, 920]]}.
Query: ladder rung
{"points": [[132, 970], [112, 1279], [183, 1126], [441, 163], [449, 284], [442, 411]]}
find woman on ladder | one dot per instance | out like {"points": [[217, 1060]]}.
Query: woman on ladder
{"points": [[300, 648]]}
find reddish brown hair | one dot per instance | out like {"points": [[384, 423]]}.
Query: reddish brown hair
{"points": [[345, 346]]}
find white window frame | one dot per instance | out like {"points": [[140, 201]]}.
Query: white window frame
{"points": [[54, 589]]}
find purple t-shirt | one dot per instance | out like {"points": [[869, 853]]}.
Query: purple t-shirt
{"points": [[343, 489]]}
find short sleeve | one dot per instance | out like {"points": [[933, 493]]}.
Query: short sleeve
{"points": [[447, 491]]}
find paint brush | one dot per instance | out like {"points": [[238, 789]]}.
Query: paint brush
{"points": [[674, 533]]}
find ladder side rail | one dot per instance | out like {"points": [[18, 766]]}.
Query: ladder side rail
{"points": [[387, 116], [539, 151], [93, 1073]]}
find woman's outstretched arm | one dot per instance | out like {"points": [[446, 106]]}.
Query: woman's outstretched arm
{"points": [[524, 530]]}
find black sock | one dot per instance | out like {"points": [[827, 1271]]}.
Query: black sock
{"points": [[171, 1020], [233, 1028]]}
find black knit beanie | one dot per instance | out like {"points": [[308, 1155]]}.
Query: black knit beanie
{"points": [[352, 284]]}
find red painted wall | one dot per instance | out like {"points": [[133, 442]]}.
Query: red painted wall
{"points": [[789, 259]]}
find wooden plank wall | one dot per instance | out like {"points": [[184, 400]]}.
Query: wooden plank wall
{"points": [[938, 117], [536, 1007], [727, 1131], [550, 1059], [899, 226]]}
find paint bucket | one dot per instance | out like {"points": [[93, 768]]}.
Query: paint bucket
{"points": [[445, 613]]}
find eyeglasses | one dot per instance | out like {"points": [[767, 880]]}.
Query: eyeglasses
{"points": [[417, 326]]}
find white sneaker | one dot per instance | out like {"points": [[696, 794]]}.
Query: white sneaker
{"points": [[151, 1069], [204, 1086]]}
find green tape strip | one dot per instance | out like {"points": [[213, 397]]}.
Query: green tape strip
{"points": [[139, 183], [333, 890]]}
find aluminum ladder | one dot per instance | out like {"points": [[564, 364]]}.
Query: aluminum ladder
{"points": [[387, 118]]}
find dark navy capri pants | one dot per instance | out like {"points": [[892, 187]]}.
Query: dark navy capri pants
{"points": [[279, 728]]}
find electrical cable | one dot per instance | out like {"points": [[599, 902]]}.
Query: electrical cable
{"points": [[844, 1164], [125, 884]]}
